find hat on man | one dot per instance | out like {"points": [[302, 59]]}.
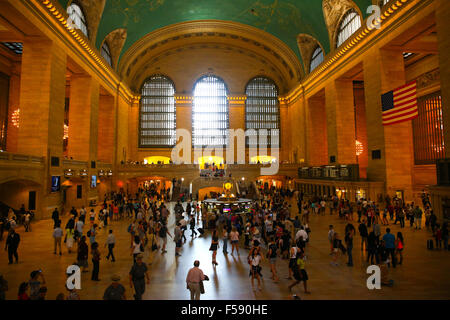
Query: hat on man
{"points": [[140, 256], [115, 278]]}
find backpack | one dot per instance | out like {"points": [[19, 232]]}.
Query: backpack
{"points": [[88, 233]]}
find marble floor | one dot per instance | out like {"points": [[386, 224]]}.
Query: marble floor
{"points": [[423, 275]]}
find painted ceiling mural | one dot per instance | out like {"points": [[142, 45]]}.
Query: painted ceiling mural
{"points": [[284, 19]]}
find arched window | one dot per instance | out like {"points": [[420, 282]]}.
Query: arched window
{"points": [[77, 17], [157, 116], [317, 58], [106, 53], [349, 24], [210, 112], [384, 2], [261, 107]]}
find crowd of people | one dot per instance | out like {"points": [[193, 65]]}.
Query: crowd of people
{"points": [[269, 230]]}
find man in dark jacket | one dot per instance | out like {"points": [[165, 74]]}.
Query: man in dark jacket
{"points": [[12, 244], [138, 274], [364, 234], [55, 217]]}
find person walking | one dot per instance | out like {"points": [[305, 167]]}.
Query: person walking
{"points": [[194, 280], [399, 246], [331, 233], [110, 242], [55, 217], [27, 221], [363, 232], [225, 235], [137, 248], [349, 242], [95, 261], [300, 274], [163, 232], [12, 245], [192, 226], [254, 259], [418, 217], [389, 243], [234, 237], [272, 256], [70, 233], [115, 291], [177, 238], [57, 236], [214, 246], [82, 254], [138, 277]]}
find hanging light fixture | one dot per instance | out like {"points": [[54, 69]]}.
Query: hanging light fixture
{"points": [[15, 118], [359, 148], [66, 131]]}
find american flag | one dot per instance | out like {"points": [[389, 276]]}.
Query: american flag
{"points": [[400, 105]]}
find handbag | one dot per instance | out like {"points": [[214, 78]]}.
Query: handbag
{"points": [[202, 287]]}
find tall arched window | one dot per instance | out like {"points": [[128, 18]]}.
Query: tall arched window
{"points": [[261, 107], [316, 59], [157, 116], [77, 17], [210, 112], [106, 53], [349, 24], [384, 2]]}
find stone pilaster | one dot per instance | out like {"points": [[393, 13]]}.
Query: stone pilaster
{"points": [[83, 118], [384, 71], [340, 112]]}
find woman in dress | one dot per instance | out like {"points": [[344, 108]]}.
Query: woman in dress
{"points": [[399, 245], [69, 239], [254, 259], [214, 246]]}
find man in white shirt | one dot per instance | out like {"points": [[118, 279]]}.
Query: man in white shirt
{"points": [[110, 242], [79, 228], [301, 233], [194, 277]]}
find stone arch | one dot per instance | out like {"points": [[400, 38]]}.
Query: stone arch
{"points": [[333, 12], [115, 40], [93, 11], [307, 44]]}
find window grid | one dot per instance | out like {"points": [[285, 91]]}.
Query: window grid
{"points": [[16, 47], [349, 25], [317, 58], [210, 113], [157, 116], [262, 108], [428, 130], [106, 53], [76, 15]]}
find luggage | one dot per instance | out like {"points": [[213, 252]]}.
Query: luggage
{"points": [[201, 231], [430, 244]]}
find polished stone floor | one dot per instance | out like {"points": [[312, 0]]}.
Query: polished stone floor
{"points": [[423, 275]]}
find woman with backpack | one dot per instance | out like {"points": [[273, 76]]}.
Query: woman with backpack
{"points": [[137, 248], [254, 259], [299, 273]]}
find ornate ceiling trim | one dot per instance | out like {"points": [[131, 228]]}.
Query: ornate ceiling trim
{"points": [[307, 44], [144, 71], [232, 30]]}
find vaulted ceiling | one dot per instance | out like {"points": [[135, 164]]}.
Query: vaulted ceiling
{"points": [[284, 19]]}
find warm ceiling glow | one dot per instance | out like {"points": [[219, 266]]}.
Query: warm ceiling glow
{"points": [[15, 118], [359, 148]]}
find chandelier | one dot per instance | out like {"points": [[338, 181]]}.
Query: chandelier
{"points": [[15, 118], [359, 148]]}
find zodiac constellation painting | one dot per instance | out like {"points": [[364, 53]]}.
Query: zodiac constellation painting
{"points": [[134, 8], [283, 14]]}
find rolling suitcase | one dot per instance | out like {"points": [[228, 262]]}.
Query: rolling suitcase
{"points": [[430, 244]]}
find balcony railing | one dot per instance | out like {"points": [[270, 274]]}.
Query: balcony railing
{"points": [[22, 158]]}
